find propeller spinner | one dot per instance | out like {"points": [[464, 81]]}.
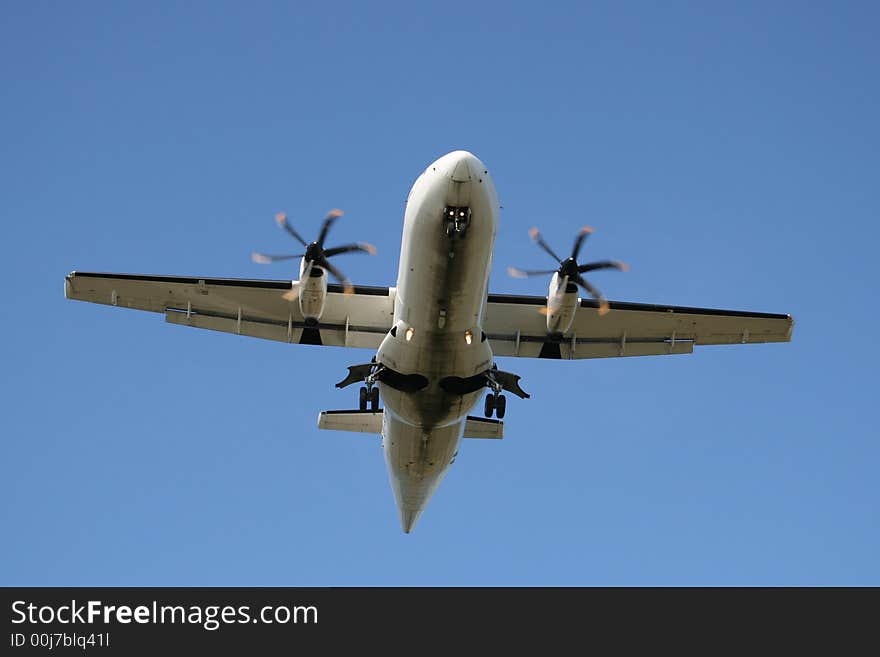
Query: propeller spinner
{"points": [[569, 267], [315, 254]]}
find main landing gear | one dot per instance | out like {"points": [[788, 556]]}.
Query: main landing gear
{"points": [[368, 397], [368, 394], [495, 403]]}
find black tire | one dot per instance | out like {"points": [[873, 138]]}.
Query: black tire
{"points": [[450, 229], [500, 406], [362, 399], [489, 408], [374, 399]]}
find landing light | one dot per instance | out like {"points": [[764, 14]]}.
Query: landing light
{"points": [[468, 337], [409, 333]]}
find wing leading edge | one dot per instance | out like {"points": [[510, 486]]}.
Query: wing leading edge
{"points": [[244, 306], [515, 327]]}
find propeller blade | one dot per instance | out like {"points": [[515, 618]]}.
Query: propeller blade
{"points": [[281, 220], [603, 264], [339, 276], [579, 240], [332, 216], [263, 259], [593, 292], [525, 273], [364, 247], [536, 236]]}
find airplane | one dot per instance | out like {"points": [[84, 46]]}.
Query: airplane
{"points": [[436, 334]]}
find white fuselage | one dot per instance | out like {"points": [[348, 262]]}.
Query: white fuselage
{"points": [[441, 293]]}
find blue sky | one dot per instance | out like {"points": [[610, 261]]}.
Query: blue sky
{"points": [[729, 153]]}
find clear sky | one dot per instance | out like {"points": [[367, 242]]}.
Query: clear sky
{"points": [[728, 152]]}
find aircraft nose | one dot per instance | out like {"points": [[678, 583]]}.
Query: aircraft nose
{"points": [[461, 166], [463, 171]]}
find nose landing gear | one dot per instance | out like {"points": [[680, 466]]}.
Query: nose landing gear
{"points": [[457, 221]]}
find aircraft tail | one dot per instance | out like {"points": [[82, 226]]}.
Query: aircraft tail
{"points": [[371, 422]]}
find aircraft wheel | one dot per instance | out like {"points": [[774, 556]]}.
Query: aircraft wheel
{"points": [[362, 399], [450, 229], [490, 405], [374, 399], [500, 406]]}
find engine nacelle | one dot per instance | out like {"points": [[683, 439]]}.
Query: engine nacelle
{"points": [[312, 290], [562, 302]]}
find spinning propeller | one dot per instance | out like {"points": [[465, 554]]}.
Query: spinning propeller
{"points": [[315, 255], [570, 268]]}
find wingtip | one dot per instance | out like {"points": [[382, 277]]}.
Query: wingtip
{"points": [[280, 218]]}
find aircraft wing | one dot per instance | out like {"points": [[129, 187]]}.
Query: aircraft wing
{"points": [[515, 326], [244, 306]]}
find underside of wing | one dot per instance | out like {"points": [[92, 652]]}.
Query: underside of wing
{"points": [[249, 307], [516, 326]]}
